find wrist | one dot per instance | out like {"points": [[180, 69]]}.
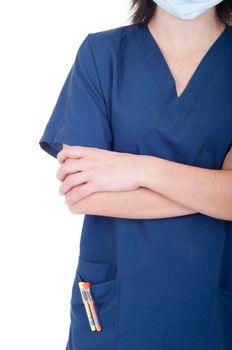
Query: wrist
{"points": [[149, 171]]}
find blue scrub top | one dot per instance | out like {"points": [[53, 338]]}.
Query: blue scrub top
{"points": [[163, 284]]}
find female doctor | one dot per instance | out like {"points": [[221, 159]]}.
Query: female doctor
{"points": [[142, 131]]}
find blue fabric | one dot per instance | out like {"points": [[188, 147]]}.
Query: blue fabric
{"points": [[162, 284], [80, 116]]}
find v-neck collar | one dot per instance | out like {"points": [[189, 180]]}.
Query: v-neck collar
{"points": [[179, 107]]}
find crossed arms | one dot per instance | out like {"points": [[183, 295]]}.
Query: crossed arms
{"points": [[124, 185]]}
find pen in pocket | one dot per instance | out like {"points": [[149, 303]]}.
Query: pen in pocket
{"points": [[84, 297], [87, 286]]}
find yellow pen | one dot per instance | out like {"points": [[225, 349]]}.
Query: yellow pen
{"points": [[92, 306], [85, 301]]}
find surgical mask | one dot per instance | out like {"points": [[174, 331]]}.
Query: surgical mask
{"points": [[186, 9]]}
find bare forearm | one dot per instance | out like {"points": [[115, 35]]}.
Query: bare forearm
{"points": [[141, 203], [95, 170], [204, 190]]}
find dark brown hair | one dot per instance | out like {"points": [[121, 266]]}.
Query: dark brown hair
{"points": [[142, 11]]}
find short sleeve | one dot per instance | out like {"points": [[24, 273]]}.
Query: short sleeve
{"points": [[80, 116]]}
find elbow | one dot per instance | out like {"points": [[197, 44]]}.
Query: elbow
{"points": [[228, 215], [226, 212], [228, 209], [221, 210], [87, 205], [77, 208]]}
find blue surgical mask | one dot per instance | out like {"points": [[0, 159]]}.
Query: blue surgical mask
{"points": [[186, 9]]}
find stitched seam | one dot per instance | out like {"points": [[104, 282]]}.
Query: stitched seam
{"points": [[155, 81], [197, 98], [118, 316], [207, 82], [209, 320]]}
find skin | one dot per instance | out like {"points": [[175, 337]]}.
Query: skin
{"points": [[102, 182], [183, 43], [94, 182]]}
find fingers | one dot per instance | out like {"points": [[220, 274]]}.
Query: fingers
{"points": [[72, 181], [72, 172], [70, 166], [73, 152], [78, 193]]}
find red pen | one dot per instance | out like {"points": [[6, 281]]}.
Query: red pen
{"points": [[90, 300]]}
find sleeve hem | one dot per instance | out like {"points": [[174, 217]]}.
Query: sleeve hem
{"points": [[54, 146]]}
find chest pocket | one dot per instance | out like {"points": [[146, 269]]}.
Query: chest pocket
{"points": [[105, 292]]}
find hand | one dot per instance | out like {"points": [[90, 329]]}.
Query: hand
{"points": [[85, 170], [227, 164]]}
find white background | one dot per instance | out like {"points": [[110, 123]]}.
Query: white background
{"points": [[39, 236]]}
